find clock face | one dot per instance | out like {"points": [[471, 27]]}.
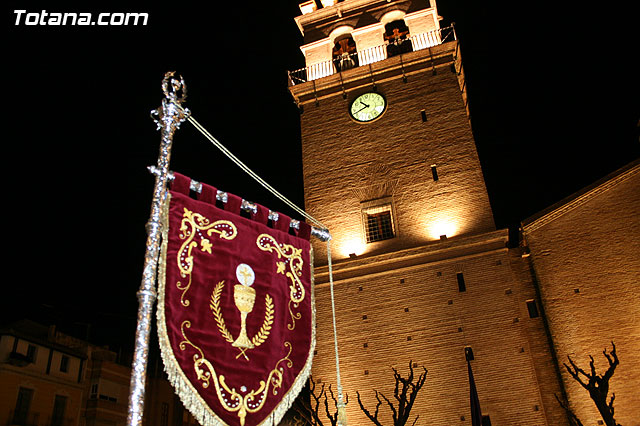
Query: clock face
{"points": [[367, 107]]}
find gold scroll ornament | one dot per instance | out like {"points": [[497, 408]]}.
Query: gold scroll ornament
{"points": [[293, 259], [194, 224], [230, 399]]}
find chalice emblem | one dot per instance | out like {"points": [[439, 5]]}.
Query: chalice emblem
{"points": [[244, 297]]}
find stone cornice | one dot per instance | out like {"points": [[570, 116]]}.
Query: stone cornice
{"points": [[452, 249]]}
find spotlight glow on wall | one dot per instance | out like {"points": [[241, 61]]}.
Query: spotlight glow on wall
{"points": [[442, 227], [352, 245]]}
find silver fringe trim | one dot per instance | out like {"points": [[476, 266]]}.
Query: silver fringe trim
{"points": [[185, 390]]}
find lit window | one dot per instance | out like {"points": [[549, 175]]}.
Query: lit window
{"points": [[377, 218], [308, 7]]}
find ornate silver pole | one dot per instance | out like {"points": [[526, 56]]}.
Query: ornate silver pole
{"points": [[169, 117]]}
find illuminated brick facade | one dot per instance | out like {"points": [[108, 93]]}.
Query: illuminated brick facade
{"points": [[446, 279], [585, 255]]}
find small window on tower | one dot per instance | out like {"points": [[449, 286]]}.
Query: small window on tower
{"points": [[434, 172], [377, 218], [462, 286], [533, 309]]}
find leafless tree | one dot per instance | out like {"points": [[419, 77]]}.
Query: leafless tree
{"points": [[405, 393], [333, 415], [597, 386], [308, 409]]}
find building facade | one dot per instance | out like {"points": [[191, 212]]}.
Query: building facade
{"points": [[48, 378], [41, 376], [584, 254], [420, 272]]}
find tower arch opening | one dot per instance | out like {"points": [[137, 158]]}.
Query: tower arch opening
{"points": [[396, 35], [344, 53]]}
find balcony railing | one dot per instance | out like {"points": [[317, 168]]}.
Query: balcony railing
{"points": [[371, 55]]}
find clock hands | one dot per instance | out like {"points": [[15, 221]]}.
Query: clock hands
{"points": [[365, 106]]}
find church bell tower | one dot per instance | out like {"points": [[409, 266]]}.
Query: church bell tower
{"points": [[388, 154], [420, 272]]}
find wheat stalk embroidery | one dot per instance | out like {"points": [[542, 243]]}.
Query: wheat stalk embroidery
{"points": [[265, 329]]}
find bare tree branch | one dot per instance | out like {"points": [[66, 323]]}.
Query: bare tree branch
{"points": [[372, 417], [333, 419], [596, 385], [307, 409], [575, 421], [612, 357], [394, 413], [575, 372], [333, 416], [405, 393]]}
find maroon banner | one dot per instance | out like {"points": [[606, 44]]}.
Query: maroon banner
{"points": [[235, 309]]}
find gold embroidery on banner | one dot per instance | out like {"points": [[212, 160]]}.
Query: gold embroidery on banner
{"points": [[262, 334], [198, 358], [294, 315], [193, 224], [229, 398], [293, 257], [205, 245], [217, 314], [264, 331], [186, 389]]}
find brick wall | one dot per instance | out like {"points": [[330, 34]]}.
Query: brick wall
{"points": [[398, 314], [585, 255]]}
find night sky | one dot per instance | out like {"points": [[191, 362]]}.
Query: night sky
{"points": [[554, 107]]}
